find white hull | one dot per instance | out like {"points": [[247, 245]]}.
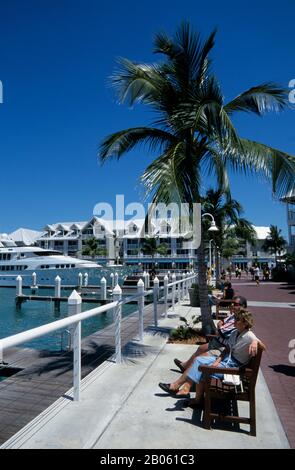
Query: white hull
{"points": [[47, 277]]}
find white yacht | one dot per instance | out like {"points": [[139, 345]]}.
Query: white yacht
{"points": [[47, 264]]}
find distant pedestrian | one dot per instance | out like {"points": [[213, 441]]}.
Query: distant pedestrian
{"points": [[265, 273], [257, 275], [252, 273]]}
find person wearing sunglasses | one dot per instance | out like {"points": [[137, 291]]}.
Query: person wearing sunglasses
{"points": [[216, 345], [241, 346]]}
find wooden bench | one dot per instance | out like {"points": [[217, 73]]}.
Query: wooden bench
{"points": [[216, 389]]}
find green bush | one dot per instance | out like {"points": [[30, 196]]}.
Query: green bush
{"points": [[187, 330]]}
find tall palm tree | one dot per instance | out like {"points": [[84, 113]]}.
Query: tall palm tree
{"points": [[227, 213], [274, 242], [193, 132]]}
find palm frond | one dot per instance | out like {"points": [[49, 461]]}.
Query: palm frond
{"points": [[259, 99], [115, 145], [275, 164], [167, 178], [135, 82], [213, 163]]}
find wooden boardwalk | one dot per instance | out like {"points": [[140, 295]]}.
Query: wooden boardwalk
{"points": [[46, 375]]}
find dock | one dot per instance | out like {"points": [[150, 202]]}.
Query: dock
{"points": [[20, 299], [45, 376]]}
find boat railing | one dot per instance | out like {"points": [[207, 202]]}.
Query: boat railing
{"points": [[172, 291]]}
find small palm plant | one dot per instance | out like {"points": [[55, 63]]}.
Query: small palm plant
{"points": [[186, 331]]}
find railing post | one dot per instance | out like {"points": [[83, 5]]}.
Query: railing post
{"points": [[140, 303], [80, 279], [57, 288], [112, 281], [116, 279], [19, 285], [179, 291], [85, 279], [103, 288], [117, 296], [147, 280], [173, 292], [74, 307], [156, 294], [183, 286], [34, 281], [144, 279], [166, 294], [187, 282]]}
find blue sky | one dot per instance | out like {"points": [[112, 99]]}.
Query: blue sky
{"points": [[55, 60]]}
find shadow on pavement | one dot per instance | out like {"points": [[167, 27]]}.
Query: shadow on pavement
{"points": [[284, 369]]}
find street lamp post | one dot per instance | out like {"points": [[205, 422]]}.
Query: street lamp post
{"points": [[212, 228], [210, 255]]}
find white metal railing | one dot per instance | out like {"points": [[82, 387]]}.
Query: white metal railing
{"points": [[75, 317]]}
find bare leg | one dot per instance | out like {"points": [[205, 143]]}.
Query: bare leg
{"points": [[184, 382], [201, 350], [179, 382]]}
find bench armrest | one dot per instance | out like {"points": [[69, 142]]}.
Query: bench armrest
{"points": [[209, 370]]}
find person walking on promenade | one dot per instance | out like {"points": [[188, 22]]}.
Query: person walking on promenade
{"points": [[257, 275]]}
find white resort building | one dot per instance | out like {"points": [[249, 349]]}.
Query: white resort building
{"points": [[122, 242], [289, 199]]}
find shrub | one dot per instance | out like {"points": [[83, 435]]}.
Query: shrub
{"points": [[186, 331]]}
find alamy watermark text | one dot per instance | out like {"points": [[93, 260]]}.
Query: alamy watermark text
{"points": [[292, 92]]}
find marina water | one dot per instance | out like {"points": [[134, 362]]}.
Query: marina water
{"points": [[15, 320]]}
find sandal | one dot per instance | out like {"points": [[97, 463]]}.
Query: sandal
{"points": [[173, 393], [178, 363]]}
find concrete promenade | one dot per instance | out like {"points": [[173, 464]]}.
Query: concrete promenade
{"points": [[122, 406]]}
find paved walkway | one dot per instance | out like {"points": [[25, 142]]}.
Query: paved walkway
{"points": [[273, 307], [122, 407]]}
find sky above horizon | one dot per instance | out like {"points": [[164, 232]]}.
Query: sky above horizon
{"points": [[56, 57]]}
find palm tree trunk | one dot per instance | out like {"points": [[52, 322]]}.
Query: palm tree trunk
{"points": [[207, 322]]}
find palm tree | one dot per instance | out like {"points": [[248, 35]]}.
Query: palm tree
{"points": [[233, 228], [92, 248], [193, 132], [274, 242], [150, 247]]}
